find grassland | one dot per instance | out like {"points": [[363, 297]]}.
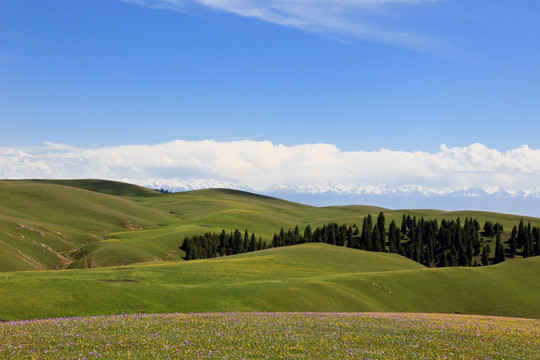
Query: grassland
{"points": [[273, 336], [56, 224], [306, 301], [308, 277]]}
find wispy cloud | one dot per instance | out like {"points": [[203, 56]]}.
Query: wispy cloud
{"points": [[264, 166], [343, 19]]}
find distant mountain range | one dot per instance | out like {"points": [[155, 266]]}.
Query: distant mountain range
{"points": [[403, 196]]}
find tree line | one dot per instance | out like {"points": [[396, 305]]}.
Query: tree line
{"points": [[211, 245], [448, 243]]}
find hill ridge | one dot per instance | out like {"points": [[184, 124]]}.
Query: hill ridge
{"points": [[99, 222], [290, 283]]}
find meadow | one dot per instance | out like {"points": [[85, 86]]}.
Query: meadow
{"points": [[311, 277], [59, 224], [272, 336], [126, 292]]}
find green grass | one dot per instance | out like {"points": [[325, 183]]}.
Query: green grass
{"points": [[273, 336], [42, 224], [92, 223], [308, 277], [50, 224]]}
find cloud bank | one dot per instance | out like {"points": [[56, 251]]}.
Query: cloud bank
{"points": [[341, 18], [262, 166]]}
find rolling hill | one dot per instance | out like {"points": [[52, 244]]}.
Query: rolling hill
{"points": [[307, 277], [56, 224]]}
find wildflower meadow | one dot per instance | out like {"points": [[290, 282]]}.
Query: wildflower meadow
{"points": [[272, 336]]}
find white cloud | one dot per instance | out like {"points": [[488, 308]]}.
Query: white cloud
{"points": [[341, 18], [309, 168]]}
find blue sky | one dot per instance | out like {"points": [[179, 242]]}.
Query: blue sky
{"points": [[80, 78]]}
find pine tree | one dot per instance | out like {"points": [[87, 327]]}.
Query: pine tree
{"points": [[488, 229], [527, 242], [238, 243], [521, 235], [381, 228], [403, 225], [485, 256], [536, 237], [393, 237], [296, 235], [308, 236], [350, 237], [513, 242], [253, 243], [499, 250], [245, 243], [376, 240], [331, 235], [365, 239], [497, 228]]}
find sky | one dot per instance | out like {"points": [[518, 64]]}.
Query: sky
{"points": [[396, 103]]}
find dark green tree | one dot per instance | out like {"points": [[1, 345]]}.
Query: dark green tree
{"points": [[488, 229], [253, 243], [238, 243], [376, 240], [536, 237], [513, 242], [498, 228], [403, 225], [521, 235], [365, 239], [245, 243], [485, 256], [381, 229], [308, 236], [527, 242], [499, 250], [394, 235]]}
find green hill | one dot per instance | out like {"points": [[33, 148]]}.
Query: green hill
{"points": [[103, 186], [308, 277], [50, 224], [44, 226]]}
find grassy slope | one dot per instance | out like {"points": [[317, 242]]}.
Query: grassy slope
{"points": [[95, 216], [40, 224], [308, 277]]}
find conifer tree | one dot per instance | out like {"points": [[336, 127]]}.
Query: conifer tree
{"points": [[238, 244], [393, 237], [307, 234], [513, 242], [527, 246], [365, 239], [499, 250], [331, 235], [488, 229], [350, 237], [485, 256], [498, 228], [536, 237], [521, 235], [296, 235], [253, 243], [403, 225], [381, 228], [376, 240], [245, 243]]}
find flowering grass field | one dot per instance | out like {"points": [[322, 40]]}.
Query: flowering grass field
{"points": [[273, 336]]}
